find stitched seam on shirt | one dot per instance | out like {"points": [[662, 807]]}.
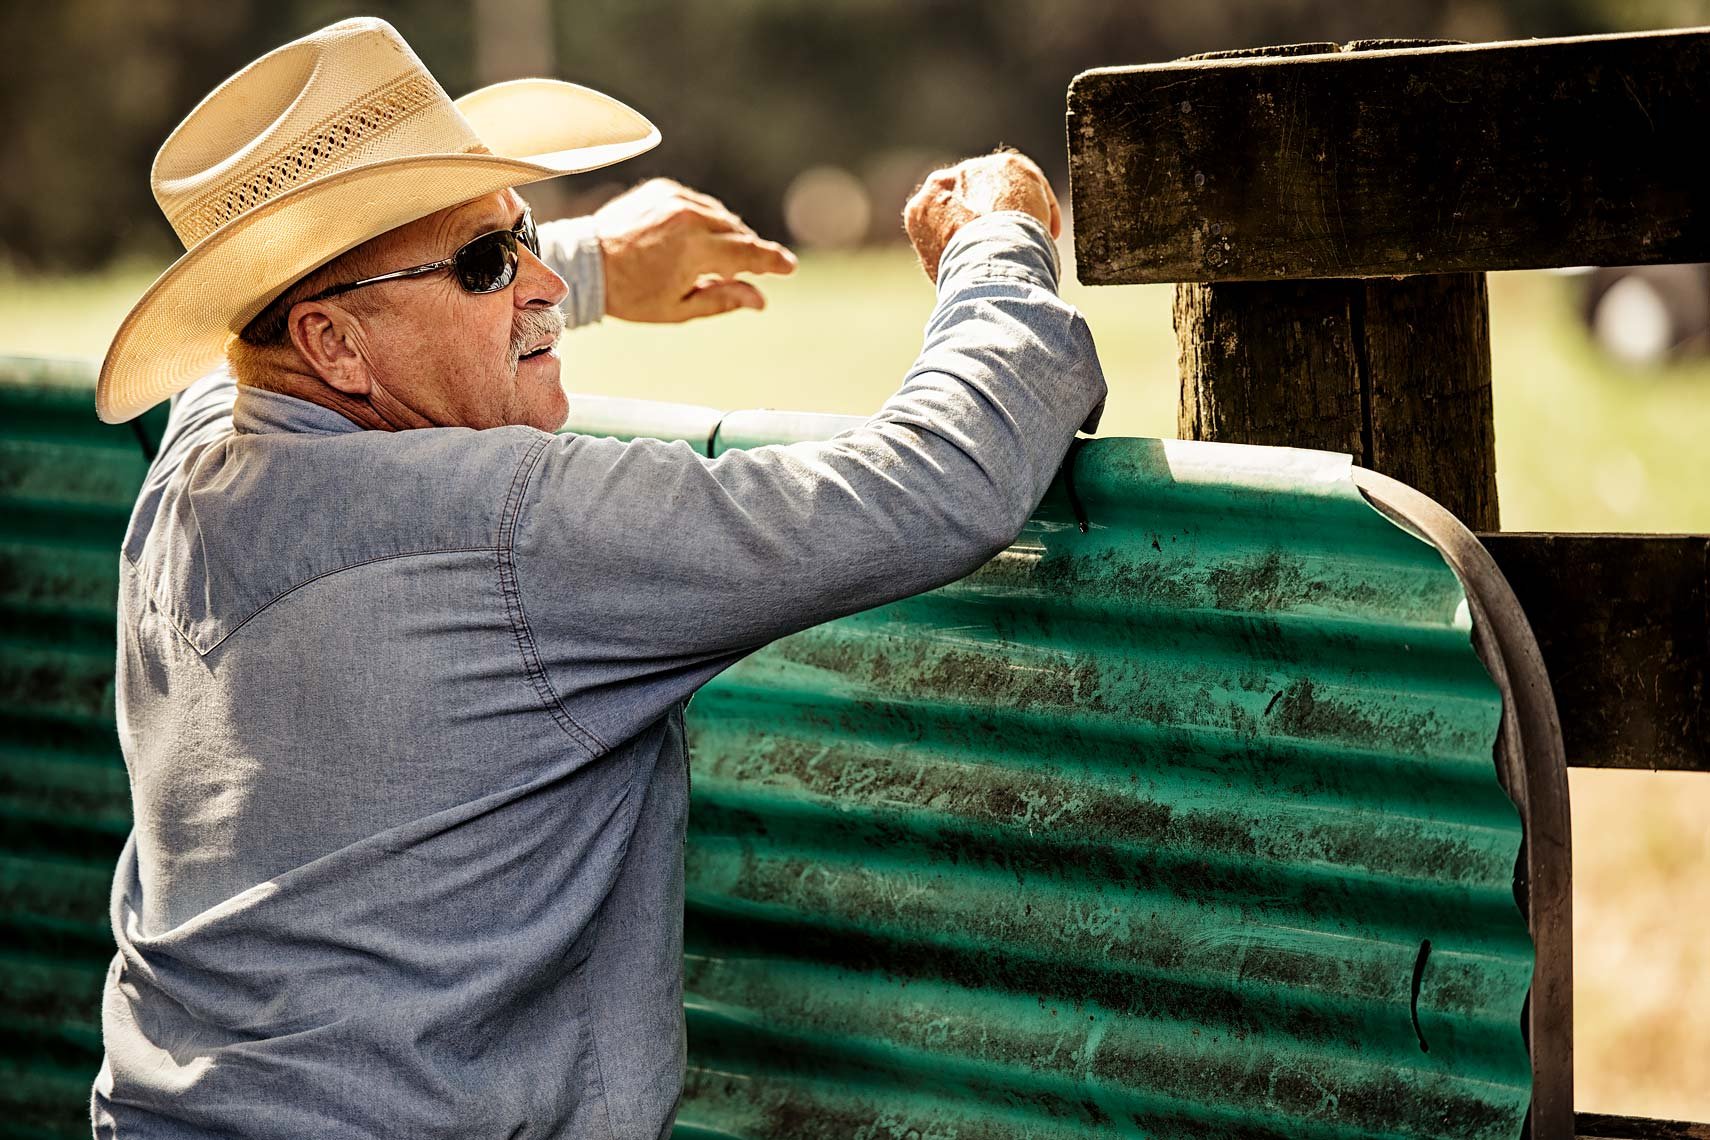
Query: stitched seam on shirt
{"points": [[1003, 274], [283, 594], [532, 666]]}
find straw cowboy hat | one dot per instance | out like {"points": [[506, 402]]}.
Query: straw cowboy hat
{"points": [[310, 151]]}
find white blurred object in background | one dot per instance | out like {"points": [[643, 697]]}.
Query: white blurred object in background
{"points": [[1645, 314], [826, 207]]}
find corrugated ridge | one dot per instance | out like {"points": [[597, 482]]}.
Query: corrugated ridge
{"points": [[1320, 850], [1165, 919], [67, 482], [924, 1033]]}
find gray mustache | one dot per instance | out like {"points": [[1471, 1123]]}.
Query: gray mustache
{"points": [[532, 326]]}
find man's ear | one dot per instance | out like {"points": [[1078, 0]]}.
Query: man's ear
{"points": [[329, 340]]}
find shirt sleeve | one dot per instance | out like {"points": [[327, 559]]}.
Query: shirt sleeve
{"points": [[644, 568], [570, 248]]}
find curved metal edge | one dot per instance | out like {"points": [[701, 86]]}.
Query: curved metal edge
{"points": [[1532, 768]]}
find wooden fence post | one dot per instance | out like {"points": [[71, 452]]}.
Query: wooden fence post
{"points": [[1396, 372]]}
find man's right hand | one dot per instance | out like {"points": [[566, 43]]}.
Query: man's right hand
{"points": [[954, 196], [673, 254]]}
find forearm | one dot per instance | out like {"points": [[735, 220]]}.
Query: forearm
{"points": [[569, 246], [1008, 370]]}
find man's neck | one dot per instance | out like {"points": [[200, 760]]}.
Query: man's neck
{"points": [[364, 411]]}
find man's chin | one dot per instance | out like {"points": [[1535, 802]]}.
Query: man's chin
{"points": [[541, 394], [550, 412]]}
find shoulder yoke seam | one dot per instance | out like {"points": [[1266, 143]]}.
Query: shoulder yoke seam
{"points": [[270, 602]]}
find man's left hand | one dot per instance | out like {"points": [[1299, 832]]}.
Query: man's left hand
{"points": [[672, 254]]}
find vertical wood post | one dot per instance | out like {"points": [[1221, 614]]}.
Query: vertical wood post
{"points": [[1394, 371]]}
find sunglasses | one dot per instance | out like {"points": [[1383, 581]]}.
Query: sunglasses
{"points": [[483, 264]]}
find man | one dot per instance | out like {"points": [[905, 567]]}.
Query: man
{"points": [[401, 673]]}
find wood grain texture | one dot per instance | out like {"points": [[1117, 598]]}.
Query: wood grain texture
{"points": [[1395, 373], [1427, 365], [1390, 162], [1623, 622], [1598, 1126]]}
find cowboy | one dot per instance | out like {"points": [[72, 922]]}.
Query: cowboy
{"points": [[401, 672]]}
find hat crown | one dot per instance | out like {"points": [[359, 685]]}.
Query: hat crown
{"points": [[345, 96]]}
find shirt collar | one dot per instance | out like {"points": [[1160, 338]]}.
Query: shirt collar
{"points": [[260, 412]]}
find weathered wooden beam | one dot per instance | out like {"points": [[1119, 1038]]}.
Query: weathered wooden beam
{"points": [[1623, 622], [1598, 1126], [1372, 163]]}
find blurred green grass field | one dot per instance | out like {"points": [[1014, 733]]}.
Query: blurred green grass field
{"points": [[1583, 444]]}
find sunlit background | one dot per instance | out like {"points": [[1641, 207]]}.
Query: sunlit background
{"points": [[814, 120]]}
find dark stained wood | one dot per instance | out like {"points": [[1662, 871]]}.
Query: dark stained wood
{"points": [[1396, 373], [1270, 364], [1390, 162], [1597, 1126], [1426, 342], [1623, 622]]}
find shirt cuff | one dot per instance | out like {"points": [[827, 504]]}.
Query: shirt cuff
{"points": [[571, 249], [1009, 244]]}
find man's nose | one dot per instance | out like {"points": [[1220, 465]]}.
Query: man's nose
{"points": [[537, 287]]}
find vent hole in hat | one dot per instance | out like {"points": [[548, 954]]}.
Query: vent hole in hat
{"points": [[322, 143]]}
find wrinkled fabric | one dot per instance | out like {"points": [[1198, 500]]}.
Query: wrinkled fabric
{"points": [[403, 716]]}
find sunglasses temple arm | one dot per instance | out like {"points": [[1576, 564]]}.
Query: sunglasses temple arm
{"points": [[397, 275]]}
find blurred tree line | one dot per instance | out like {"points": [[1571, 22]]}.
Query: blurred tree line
{"points": [[748, 93]]}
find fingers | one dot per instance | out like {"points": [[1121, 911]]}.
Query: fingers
{"points": [[718, 221], [950, 197], [720, 295], [736, 247], [660, 201], [731, 254], [684, 202], [706, 200], [671, 188]]}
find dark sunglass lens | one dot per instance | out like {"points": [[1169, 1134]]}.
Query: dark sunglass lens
{"points": [[528, 235], [488, 263]]}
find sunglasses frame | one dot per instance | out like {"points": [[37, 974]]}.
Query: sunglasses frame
{"points": [[523, 233]]}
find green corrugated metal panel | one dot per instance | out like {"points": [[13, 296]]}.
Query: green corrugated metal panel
{"points": [[1143, 828], [1177, 819], [67, 482]]}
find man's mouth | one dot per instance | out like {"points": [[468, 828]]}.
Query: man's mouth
{"points": [[532, 353]]}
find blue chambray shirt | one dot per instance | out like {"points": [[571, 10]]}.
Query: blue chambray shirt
{"points": [[403, 715]]}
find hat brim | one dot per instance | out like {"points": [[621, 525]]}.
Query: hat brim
{"points": [[177, 331]]}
